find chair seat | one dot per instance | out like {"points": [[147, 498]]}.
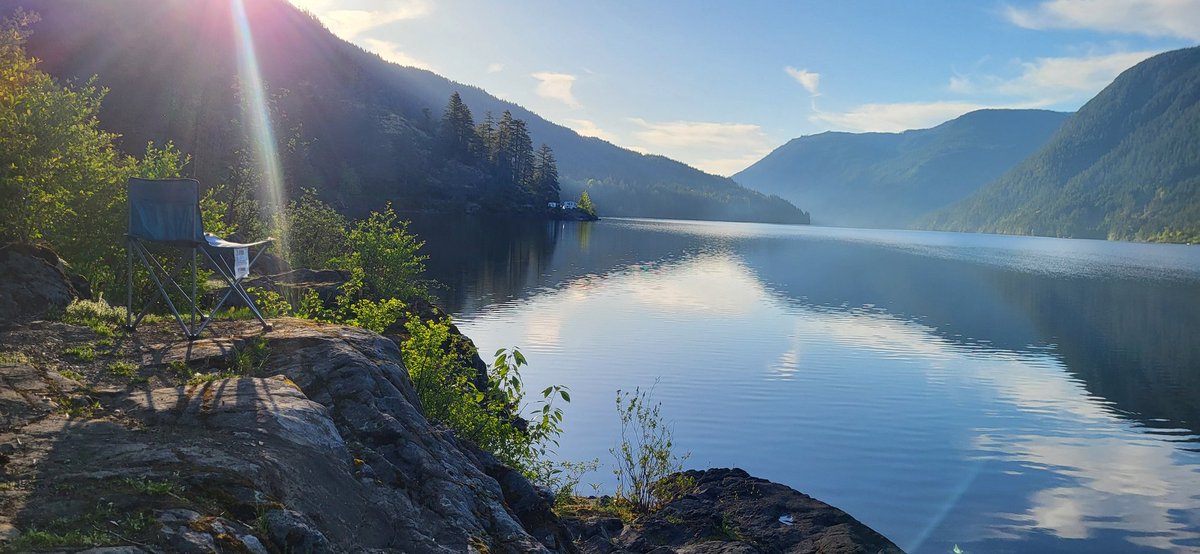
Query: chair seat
{"points": [[218, 242]]}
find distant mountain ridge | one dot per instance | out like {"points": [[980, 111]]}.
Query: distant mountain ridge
{"points": [[892, 179], [363, 127], [1125, 166]]}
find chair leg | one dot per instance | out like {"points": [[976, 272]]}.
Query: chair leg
{"points": [[235, 286], [194, 299], [190, 331], [261, 318], [157, 283], [171, 278], [129, 326]]}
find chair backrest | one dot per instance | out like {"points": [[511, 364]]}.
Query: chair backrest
{"points": [[165, 210]]}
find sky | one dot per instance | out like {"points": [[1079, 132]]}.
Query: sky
{"points": [[719, 84]]}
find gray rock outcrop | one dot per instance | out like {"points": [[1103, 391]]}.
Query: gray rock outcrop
{"points": [[728, 511], [324, 449], [34, 282]]}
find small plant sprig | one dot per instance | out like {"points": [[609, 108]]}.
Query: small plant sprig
{"points": [[645, 457]]}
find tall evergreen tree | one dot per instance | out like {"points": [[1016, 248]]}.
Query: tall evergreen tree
{"points": [[521, 153], [457, 137], [503, 162], [545, 174], [485, 133]]}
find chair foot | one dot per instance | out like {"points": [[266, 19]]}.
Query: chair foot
{"points": [[268, 327]]}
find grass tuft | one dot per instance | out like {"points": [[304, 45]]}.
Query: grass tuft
{"points": [[83, 352], [15, 358], [123, 369], [97, 315]]}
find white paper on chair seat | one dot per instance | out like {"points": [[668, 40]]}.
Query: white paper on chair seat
{"points": [[241, 263]]}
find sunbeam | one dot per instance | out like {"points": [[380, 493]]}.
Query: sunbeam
{"points": [[258, 116]]}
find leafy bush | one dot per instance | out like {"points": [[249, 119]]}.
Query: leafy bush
{"points": [[645, 456], [316, 233], [269, 303], [449, 396], [60, 176], [376, 315], [386, 257]]}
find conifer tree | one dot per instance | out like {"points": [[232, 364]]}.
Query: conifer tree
{"points": [[485, 133], [545, 174], [585, 204], [457, 137], [503, 147], [521, 153]]}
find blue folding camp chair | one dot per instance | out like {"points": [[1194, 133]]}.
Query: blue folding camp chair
{"points": [[167, 212]]}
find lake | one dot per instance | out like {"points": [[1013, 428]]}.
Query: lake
{"points": [[1001, 394]]}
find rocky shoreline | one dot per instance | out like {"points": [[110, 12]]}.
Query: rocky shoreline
{"points": [[306, 438]]}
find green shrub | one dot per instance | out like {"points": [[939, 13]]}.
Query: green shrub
{"points": [[350, 308], [448, 395], [270, 303], [386, 257], [645, 456], [312, 307], [316, 233], [376, 315]]}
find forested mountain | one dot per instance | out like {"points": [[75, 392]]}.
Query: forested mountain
{"points": [[1125, 166], [891, 179], [357, 128]]}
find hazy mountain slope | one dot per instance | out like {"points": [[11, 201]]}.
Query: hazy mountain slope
{"points": [[1125, 166], [890, 179], [364, 134]]}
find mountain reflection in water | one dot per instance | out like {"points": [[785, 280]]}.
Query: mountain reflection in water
{"points": [[999, 393]]}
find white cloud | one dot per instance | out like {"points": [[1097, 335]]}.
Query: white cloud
{"points": [[350, 19], [697, 133], [728, 166], [588, 128], [1053, 80], [1173, 18], [806, 78], [1041, 83], [556, 86], [391, 52], [495, 67], [720, 148], [896, 117]]}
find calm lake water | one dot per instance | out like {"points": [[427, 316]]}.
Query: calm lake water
{"points": [[1002, 394]]}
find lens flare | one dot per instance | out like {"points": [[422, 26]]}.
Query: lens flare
{"points": [[257, 116]]}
